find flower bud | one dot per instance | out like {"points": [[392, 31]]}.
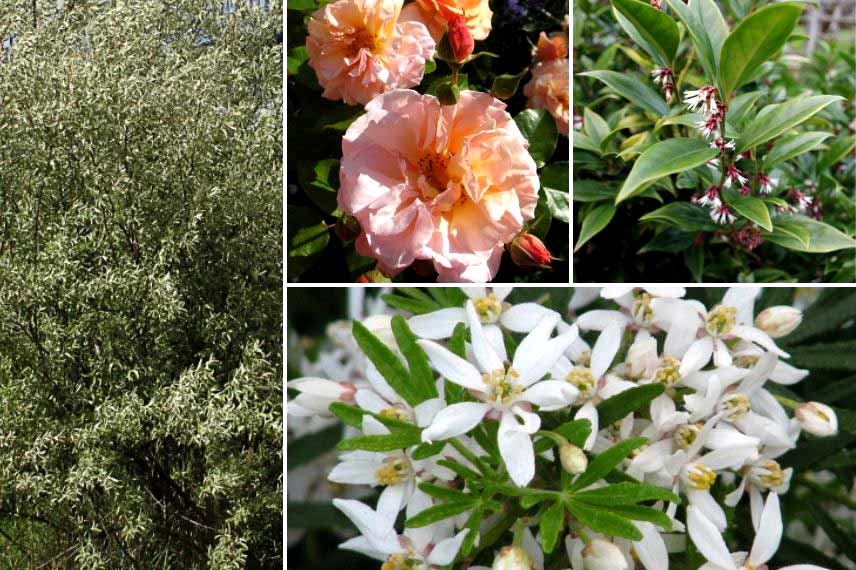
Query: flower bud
{"points": [[460, 38], [574, 460], [448, 93], [550, 48], [512, 558], [817, 419], [529, 252], [602, 555], [778, 321]]}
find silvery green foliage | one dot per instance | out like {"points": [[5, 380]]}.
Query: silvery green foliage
{"points": [[140, 285]]}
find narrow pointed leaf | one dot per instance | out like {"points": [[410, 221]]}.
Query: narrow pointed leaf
{"points": [[552, 522], [632, 89], [824, 238], [774, 120], [655, 26], [662, 159], [614, 408], [788, 147], [422, 379], [593, 223], [387, 363], [604, 462], [601, 520]]}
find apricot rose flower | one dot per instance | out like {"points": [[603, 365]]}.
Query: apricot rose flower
{"points": [[360, 49], [549, 89], [451, 184], [435, 14]]}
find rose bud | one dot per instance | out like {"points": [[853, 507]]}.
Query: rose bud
{"points": [[574, 460], [817, 419], [512, 558], [778, 321], [602, 555], [529, 252], [460, 38], [552, 48]]}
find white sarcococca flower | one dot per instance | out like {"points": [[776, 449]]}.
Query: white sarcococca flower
{"points": [[504, 392]]}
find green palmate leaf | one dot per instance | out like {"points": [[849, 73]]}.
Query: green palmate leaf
{"points": [[826, 356], [593, 223], [445, 493], [596, 128], [791, 146], [774, 120], [601, 520], [664, 158], [837, 151], [604, 462], [593, 191], [575, 431], [552, 522], [438, 513], [626, 494], [750, 208], [823, 238], [390, 442], [683, 215], [707, 29], [616, 407], [655, 26], [641, 513], [539, 128], [387, 363], [632, 89], [754, 41], [422, 379]]}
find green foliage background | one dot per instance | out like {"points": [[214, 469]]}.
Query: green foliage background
{"points": [[140, 285]]}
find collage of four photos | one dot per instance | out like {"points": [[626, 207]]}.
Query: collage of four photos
{"points": [[428, 284]]}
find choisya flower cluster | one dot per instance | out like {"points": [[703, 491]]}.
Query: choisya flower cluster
{"points": [[495, 399]]}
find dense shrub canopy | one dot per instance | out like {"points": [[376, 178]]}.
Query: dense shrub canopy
{"points": [[140, 284]]}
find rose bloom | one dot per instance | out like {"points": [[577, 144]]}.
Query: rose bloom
{"points": [[549, 89], [360, 49], [435, 14], [451, 184]]}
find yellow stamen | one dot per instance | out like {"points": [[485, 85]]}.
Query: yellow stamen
{"points": [[392, 473], [394, 414], [720, 320], [686, 435], [583, 379], [488, 308], [700, 477], [667, 373], [737, 404], [504, 384], [642, 307]]}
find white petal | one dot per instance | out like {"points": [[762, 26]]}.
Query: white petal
{"points": [[551, 395], [501, 292], [533, 549], [437, 325], [452, 366], [742, 299], [729, 457], [372, 525], [522, 318], [614, 292], [759, 337], [697, 356], [550, 354], [362, 545], [583, 296], [708, 539], [380, 385], [756, 505], [673, 292], [372, 426], [589, 412], [599, 319], [605, 349], [708, 507], [786, 374], [391, 501], [369, 400], [426, 411], [533, 344], [355, 472], [515, 447], [651, 549], [769, 533], [444, 552], [721, 354], [474, 293], [484, 353], [493, 334], [455, 420], [531, 421]]}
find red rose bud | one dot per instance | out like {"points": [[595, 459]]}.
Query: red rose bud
{"points": [[363, 279], [529, 252], [460, 38]]}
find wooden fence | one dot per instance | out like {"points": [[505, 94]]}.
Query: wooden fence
{"points": [[827, 19]]}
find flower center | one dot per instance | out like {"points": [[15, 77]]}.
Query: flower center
{"points": [[737, 405], [392, 473], [503, 384], [642, 307], [488, 308], [747, 361], [394, 413], [401, 562], [667, 373], [435, 168], [700, 477], [362, 40], [583, 380], [770, 475], [721, 320], [686, 435]]}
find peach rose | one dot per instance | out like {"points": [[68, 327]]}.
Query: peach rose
{"points": [[452, 184], [549, 89], [435, 14], [360, 49]]}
